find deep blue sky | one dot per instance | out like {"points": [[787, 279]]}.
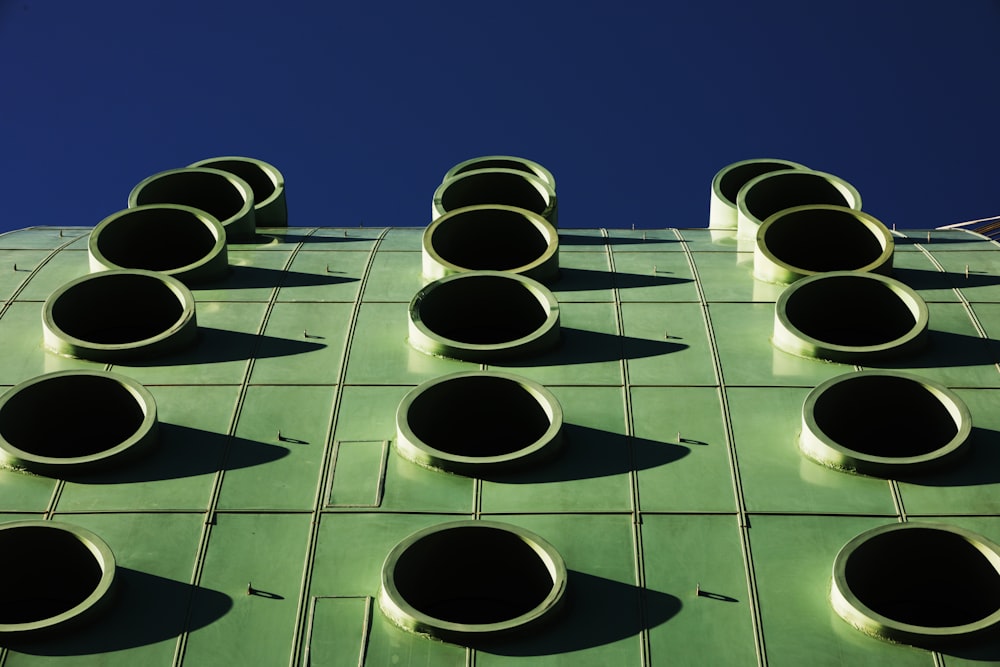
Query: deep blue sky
{"points": [[634, 107]]}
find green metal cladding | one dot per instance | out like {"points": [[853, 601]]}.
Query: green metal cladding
{"points": [[649, 499]]}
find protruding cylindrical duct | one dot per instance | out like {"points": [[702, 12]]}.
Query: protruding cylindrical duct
{"points": [[919, 583], [775, 191], [508, 187], [180, 241], [222, 194], [502, 162], [727, 183], [119, 315], [850, 317], [472, 580], [484, 316], [491, 238], [104, 419], [473, 422], [58, 576], [806, 240], [267, 183], [884, 423]]}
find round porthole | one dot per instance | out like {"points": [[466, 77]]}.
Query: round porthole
{"points": [[508, 187], [219, 193], [471, 580], [265, 180], [472, 422], [58, 576], [491, 238], [850, 317], [104, 419], [484, 316], [186, 243], [765, 195], [807, 240], [727, 183], [883, 423], [503, 162], [119, 315], [921, 584]]}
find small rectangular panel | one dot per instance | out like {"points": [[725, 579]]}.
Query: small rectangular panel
{"points": [[338, 631], [22, 355], [729, 277], [644, 240], [358, 474]]}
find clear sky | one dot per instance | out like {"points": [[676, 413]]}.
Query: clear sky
{"points": [[633, 105]]}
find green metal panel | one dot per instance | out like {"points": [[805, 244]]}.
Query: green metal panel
{"points": [[694, 530]]}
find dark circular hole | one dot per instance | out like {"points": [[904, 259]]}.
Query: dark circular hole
{"points": [[493, 187], [155, 239], [96, 413], [821, 240], [736, 177], [117, 308], [49, 571], [210, 192], [882, 415], [924, 576], [497, 163], [482, 310], [489, 239], [251, 172], [792, 188], [472, 575], [849, 311], [478, 416]]}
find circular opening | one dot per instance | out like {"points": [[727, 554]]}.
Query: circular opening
{"points": [[221, 194], [57, 575], [120, 314], [503, 162], [103, 417], [849, 317], [806, 240], [495, 238], [266, 182], [471, 578], [507, 187], [765, 195], [731, 178], [181, 241], [482, 315], [470, 421], [883, 422], [918, 582]]}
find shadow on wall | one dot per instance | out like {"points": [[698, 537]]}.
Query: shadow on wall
{"points": [[598, 611], [187, 452], [579, 346], [578, 280], [148, 609], [219, 345], [980, 466], [590, 453]]}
